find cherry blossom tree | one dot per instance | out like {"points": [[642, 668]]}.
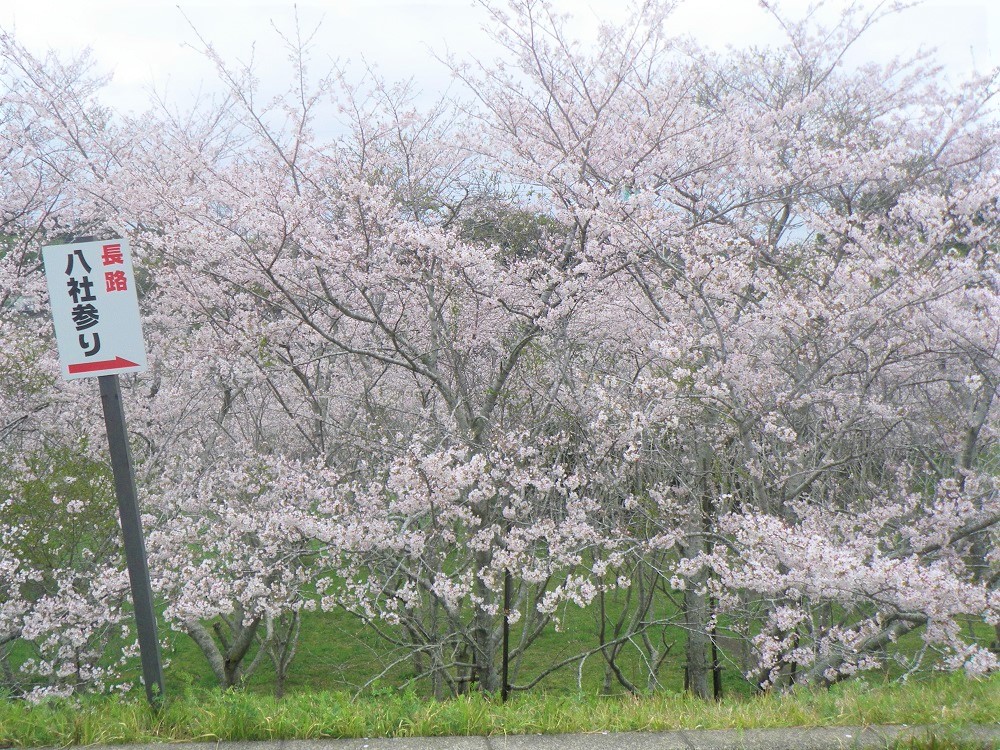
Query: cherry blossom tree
{"points": [[775, 211], [691, 339]]}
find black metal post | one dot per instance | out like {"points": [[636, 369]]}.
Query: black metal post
{"points": [[716, 664], [135, 545], [505, 685]]}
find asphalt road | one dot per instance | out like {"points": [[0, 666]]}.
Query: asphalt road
{"points": [[821, 738]]}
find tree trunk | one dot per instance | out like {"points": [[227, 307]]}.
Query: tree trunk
{"points": [[696, 610], [439, 685], [282, 642], [819, 672], [483, 632], [697, 666], [9, 683], [226, 661]]}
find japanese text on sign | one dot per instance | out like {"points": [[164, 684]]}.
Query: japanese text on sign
{"points": [[94, 308]]}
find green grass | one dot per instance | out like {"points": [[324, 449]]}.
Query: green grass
{"points": [[337, 652], [937, 742], [947, 701]]}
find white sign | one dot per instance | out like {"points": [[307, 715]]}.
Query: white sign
{"points": [[95, 308]]}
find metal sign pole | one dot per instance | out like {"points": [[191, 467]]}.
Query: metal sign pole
{"points": [[135, 545], [95, 314], [507, 586]]}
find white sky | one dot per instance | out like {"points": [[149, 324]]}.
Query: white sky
{"points": [[149, 42]]}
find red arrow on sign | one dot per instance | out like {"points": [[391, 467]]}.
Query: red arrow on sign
{"points": [[107, 364]]}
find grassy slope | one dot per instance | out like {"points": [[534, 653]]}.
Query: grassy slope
{"points": [[337, 655], [336, 652], [948, 701]]}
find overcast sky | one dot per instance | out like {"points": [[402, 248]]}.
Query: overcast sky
{"points": [[148, 43]]}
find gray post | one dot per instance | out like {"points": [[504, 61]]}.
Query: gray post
{"points": [[135, 545]]}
